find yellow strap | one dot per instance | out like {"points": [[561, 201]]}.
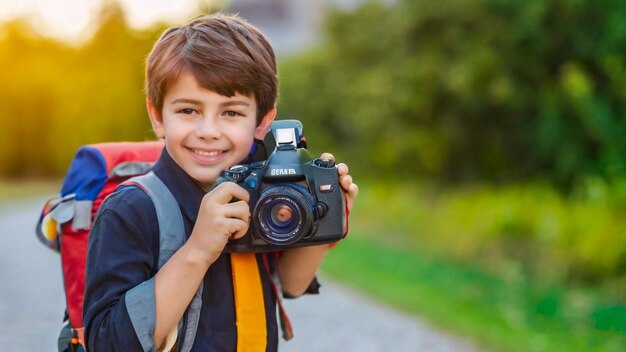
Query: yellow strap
{"points": [[249, 303]]}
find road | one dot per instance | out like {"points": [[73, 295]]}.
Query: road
{"points": [[31, 293], [340, 319]]}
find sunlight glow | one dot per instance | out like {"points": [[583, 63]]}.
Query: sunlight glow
{"points": [[70, 19]]}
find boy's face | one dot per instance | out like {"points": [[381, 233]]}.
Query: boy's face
{"points": [[205, 132]]}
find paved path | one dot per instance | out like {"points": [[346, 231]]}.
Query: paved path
{"points": [[31, 286], [341, 319], [32, 303]]}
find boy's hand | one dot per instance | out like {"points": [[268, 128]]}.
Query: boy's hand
{"points": [[219, 220], [350, 189]]}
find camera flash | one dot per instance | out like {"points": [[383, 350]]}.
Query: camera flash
{"points": [[286, 136]]}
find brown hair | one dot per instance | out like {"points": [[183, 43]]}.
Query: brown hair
{"points": [[226, 55]]}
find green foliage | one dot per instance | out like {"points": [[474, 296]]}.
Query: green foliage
{"points": [[470, 90], [528, 231]]}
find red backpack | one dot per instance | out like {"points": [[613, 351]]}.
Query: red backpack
{"points": [[65, 221]]}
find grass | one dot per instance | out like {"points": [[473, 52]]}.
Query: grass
{"points": [[496, 314]]}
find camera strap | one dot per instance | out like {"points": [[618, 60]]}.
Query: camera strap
{"points": [[285, 323], [249, 303]]}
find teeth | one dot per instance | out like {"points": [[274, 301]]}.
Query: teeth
{"points": [[205, 153]]}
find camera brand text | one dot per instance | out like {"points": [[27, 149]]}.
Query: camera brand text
{"points": [[281, 172]]}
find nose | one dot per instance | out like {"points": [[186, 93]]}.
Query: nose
{"points": [[208, 128]]}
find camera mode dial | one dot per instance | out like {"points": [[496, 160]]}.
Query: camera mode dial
{"points": [[237, 173], [324, 163]]}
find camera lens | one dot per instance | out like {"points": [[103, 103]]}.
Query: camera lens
{"points": [[284, 213], [282, 218]]}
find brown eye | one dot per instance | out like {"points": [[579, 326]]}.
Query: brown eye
{"points": [[186, 111], [232, 113]]}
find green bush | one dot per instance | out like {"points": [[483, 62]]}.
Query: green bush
{"points": [[488, 90], [529, 231]]}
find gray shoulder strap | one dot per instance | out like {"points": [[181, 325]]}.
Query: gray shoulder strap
{"points": [[171, 227], [171, 238]]}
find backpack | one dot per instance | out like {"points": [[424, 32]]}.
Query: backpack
{"points": [[95, 172]]}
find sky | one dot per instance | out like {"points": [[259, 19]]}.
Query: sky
{"points": [[70, 19]]}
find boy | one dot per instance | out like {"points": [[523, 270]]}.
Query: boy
{"points": [[211, 88]]}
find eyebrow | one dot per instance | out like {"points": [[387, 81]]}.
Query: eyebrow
{"points": [[198, 102], [235, 102], [186, 101]]}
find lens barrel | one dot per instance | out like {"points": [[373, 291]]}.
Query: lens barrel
{"points": [[284, 213]]}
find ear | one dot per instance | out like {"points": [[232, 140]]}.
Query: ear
{"points": [[156, 119], [264, 125]]}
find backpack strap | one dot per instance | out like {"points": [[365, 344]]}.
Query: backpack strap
{"points": [[171, 238]]}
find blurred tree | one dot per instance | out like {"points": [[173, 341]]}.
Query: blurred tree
{"points": [[470, 90], [27, 98], [56, 97]]}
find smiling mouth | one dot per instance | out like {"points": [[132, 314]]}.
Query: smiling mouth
{"points": [[209, 154], [207, 157]]}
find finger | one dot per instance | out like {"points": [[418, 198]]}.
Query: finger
{"points": [[345, 182], [353, 190], [227, 191], [237, 228], [342, 169], [237, 210]]}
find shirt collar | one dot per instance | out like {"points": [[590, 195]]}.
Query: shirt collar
{"points": [[187, 192]]}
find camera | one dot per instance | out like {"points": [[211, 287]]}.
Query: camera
{"points": [[295, 199]]}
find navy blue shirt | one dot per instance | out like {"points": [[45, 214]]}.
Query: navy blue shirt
{"points": [[123, 253]]}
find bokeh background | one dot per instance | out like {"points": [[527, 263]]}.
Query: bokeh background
{"points": [[488, 138]]}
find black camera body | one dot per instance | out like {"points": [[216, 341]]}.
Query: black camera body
{"points": [[295, 199]]}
